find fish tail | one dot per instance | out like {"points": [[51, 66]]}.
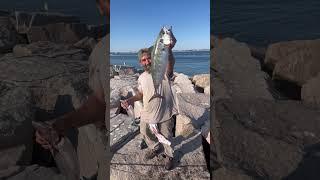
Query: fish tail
{"points": [[156, 95]]}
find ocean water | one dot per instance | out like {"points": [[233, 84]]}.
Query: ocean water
{"points": [[85, 9], [189, 63], [260, 22]]}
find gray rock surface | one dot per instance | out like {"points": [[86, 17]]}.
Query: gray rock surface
{"points": [[195, 106], [266, 139], [182, 84], [310, 93], [280, 51], [16, 135], [299, 66], [36, 172], [128, 162], [240, 73]]}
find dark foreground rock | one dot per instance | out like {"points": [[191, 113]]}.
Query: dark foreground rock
{"points": [[266, 139]]}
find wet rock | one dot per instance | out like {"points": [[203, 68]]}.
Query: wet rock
{"points": [[128, 162], [310, 93]]}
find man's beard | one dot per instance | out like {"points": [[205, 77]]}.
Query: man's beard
{"points": [[147, 67]]}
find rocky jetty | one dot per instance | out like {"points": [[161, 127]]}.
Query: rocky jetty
{"points": [[259, 132]]}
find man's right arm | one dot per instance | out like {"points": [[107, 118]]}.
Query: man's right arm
{"points": [[131, 100]]}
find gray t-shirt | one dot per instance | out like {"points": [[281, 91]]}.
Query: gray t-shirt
{"points": [[158, 109]]}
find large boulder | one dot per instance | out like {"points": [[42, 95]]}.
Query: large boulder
{"points": [[298, 66], [119, 88], [239, 72], [59, 32], [201, 80], [182, 84], [266, 139], [195, 106], [280, 51], [128, 162], [16, 134], [310, 93]]}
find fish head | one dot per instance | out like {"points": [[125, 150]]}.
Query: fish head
{"points": [[165, 35]]}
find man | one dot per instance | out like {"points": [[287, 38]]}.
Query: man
{"points": [[158, 110], [94, 109]]}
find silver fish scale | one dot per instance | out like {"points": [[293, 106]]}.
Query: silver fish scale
{"points": [[159, 63]]}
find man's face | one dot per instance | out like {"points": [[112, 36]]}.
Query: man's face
{"points": [[145, 61]]}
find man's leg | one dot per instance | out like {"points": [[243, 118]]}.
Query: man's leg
{"points": [[151, 140], [166, 130]]}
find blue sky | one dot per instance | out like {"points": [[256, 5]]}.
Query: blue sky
{"points": [[136, 23]]}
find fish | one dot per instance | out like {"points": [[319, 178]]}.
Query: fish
{"points": [[63, 152], [159, 59]]}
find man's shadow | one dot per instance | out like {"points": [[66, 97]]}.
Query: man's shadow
{"points": [[62, 106], [193, 144]]}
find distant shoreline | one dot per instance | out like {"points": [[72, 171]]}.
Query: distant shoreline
{"points": [[187, 50]]}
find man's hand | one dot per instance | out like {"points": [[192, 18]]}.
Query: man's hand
{"points": [[125, 103], [42, 136]]}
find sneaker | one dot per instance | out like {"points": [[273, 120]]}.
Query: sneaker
{"points": [[150, 154], [168, 163]]}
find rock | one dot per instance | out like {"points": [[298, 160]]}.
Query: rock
{"points": [[189, 161], [119, 87], [25, 20], [86, 43], [194, 106], [226, 174], [182, 84], [122, 130], [280, 51], [184, 126], [239, 72], [127, 70], [207, 90], [16, 135], [267, 139], [59, 33], [298, 66], [50, 50], [8, 36], [310, 93], [36, 172], [201, 80]]}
